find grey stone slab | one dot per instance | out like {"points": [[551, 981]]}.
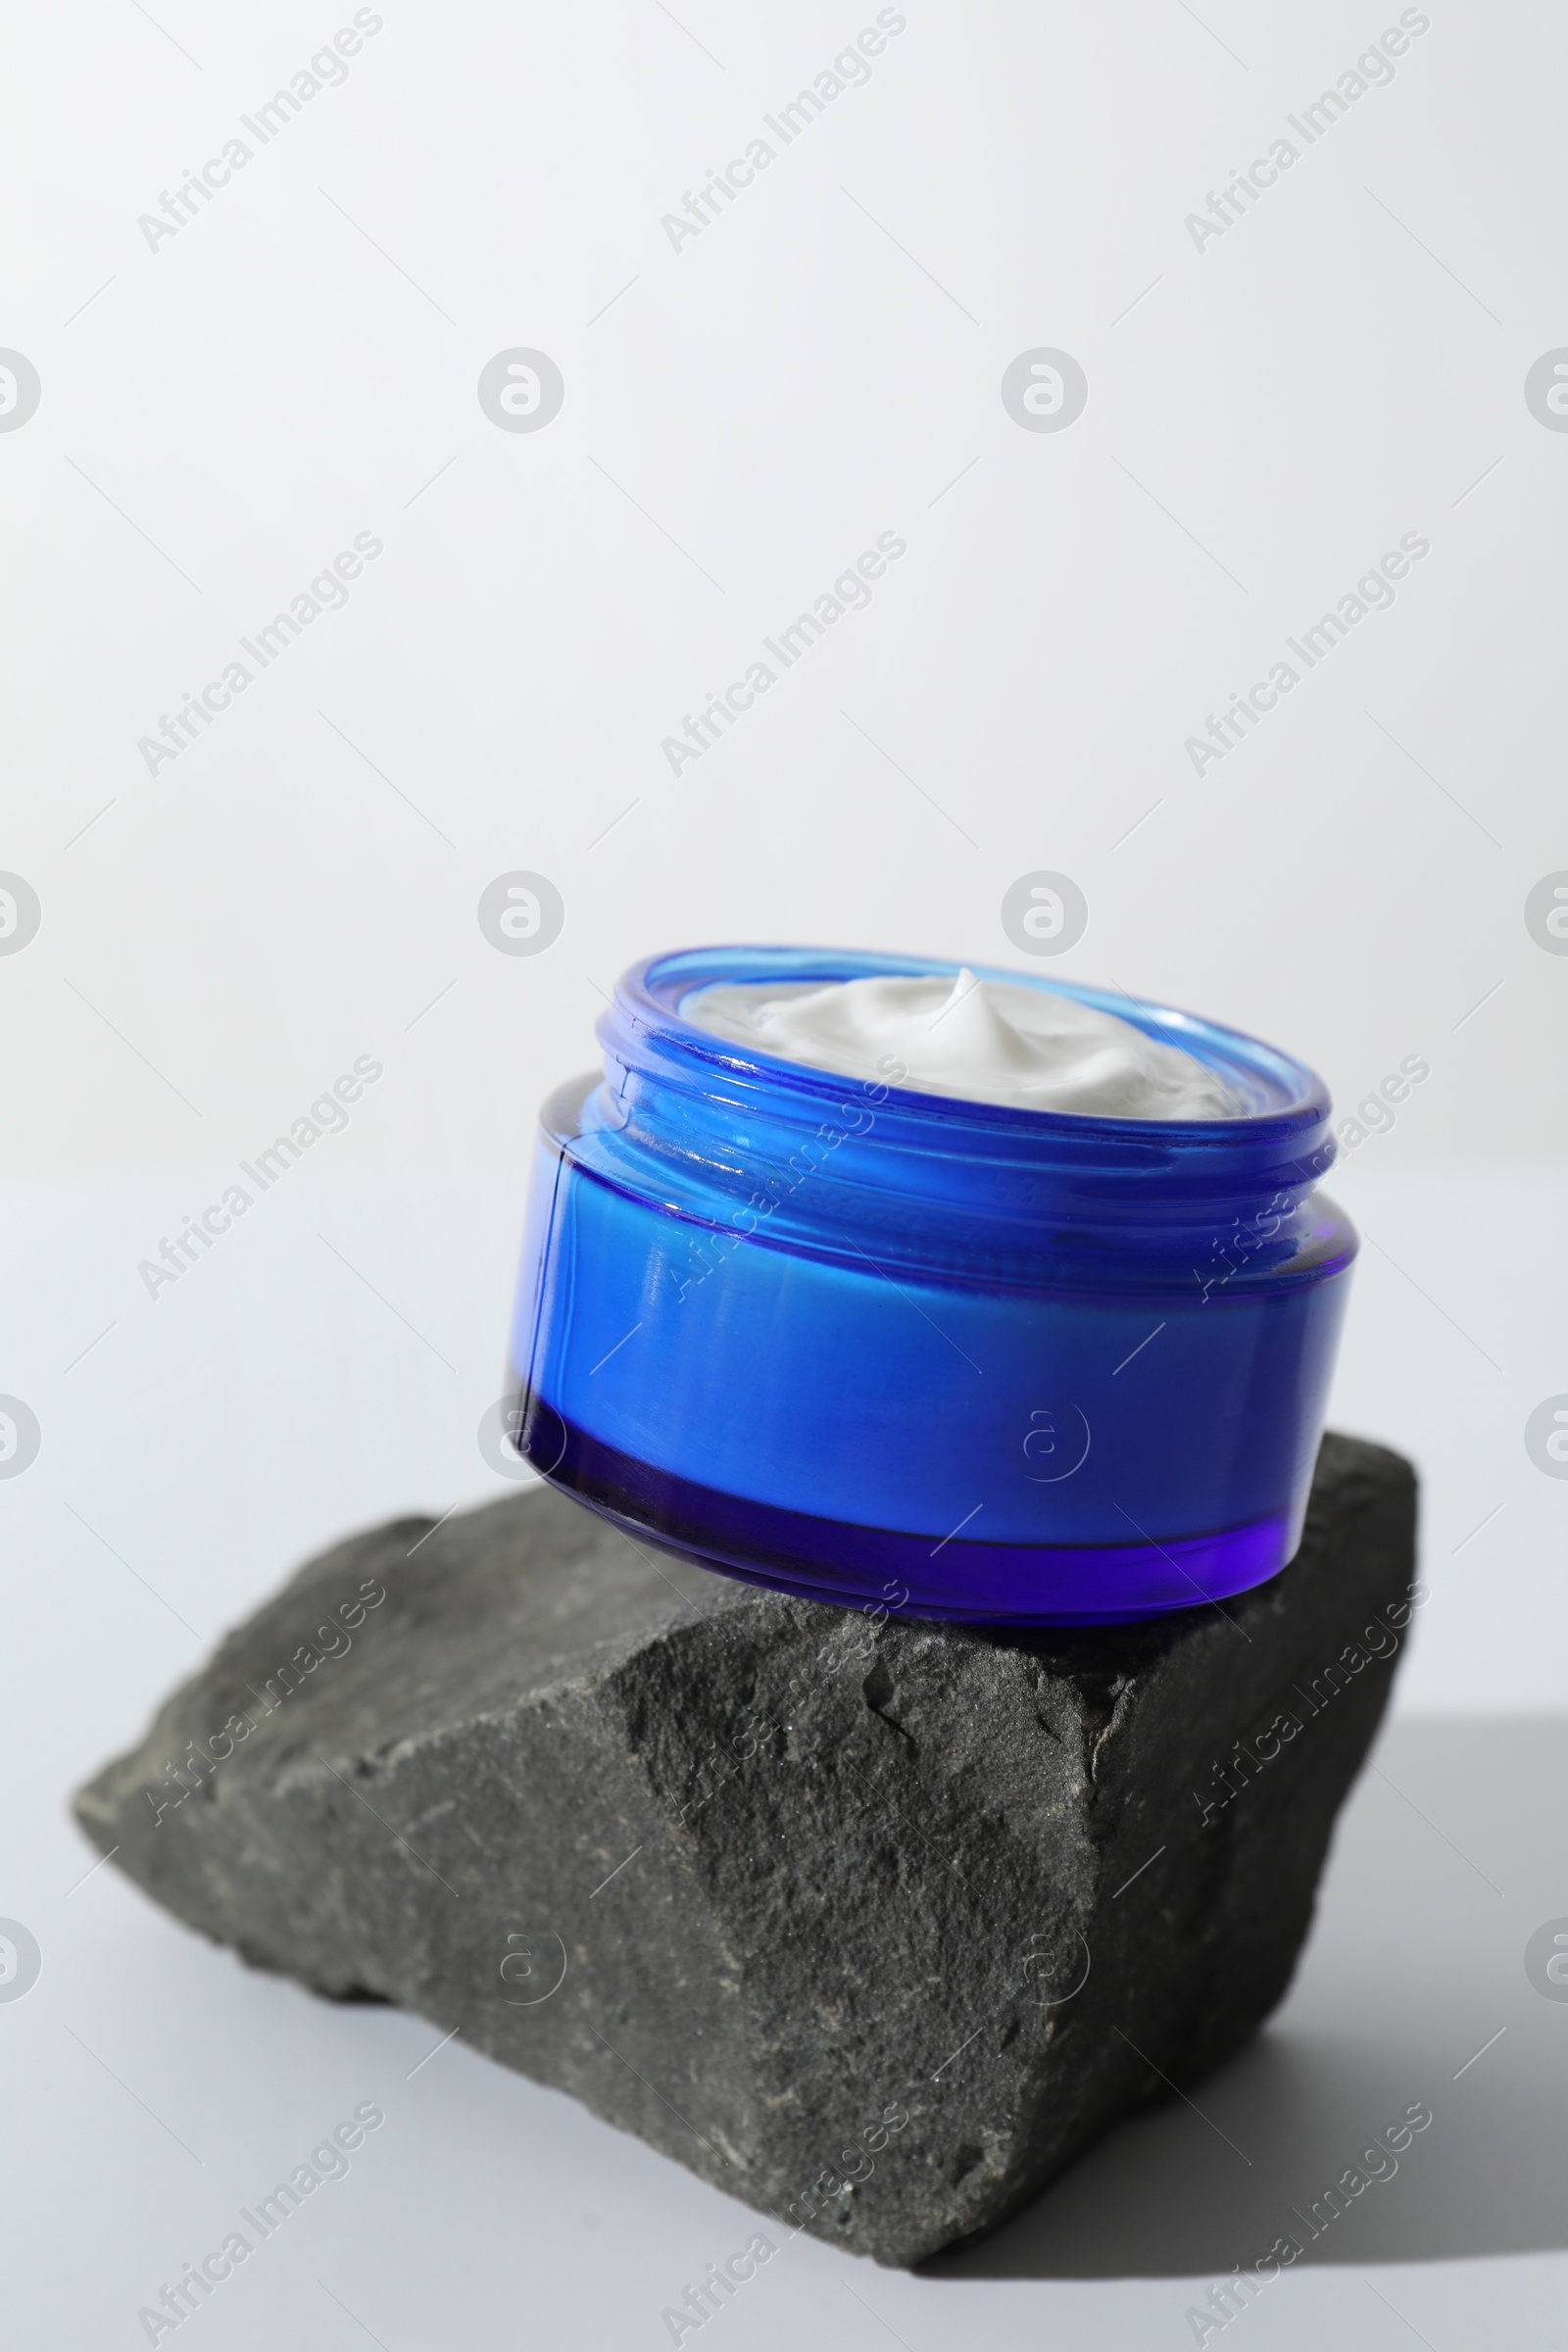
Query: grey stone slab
{"points": [[873, 1923]]}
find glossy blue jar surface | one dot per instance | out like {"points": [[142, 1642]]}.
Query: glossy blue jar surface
{"points": [[896, 1348]]}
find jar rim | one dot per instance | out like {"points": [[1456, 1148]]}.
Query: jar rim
{"points": [[1288, 1094]]}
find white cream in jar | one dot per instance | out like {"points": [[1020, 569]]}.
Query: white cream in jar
{"points": [[986, 1040]]}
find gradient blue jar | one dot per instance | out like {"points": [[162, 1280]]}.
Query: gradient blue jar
{"points": [[883, 1347]]}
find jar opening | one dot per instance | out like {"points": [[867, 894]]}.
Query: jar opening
{"points": [[658, 996]]}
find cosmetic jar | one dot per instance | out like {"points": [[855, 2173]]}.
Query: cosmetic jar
{"points": [[905, 1351]]}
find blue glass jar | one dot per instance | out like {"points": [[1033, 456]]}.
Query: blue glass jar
{"points": [[882, 1347]]}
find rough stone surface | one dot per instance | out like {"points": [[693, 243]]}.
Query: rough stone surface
{"points": [[803, 1898]]}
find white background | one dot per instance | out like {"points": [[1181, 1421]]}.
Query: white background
{"points": [[218, 418]]}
